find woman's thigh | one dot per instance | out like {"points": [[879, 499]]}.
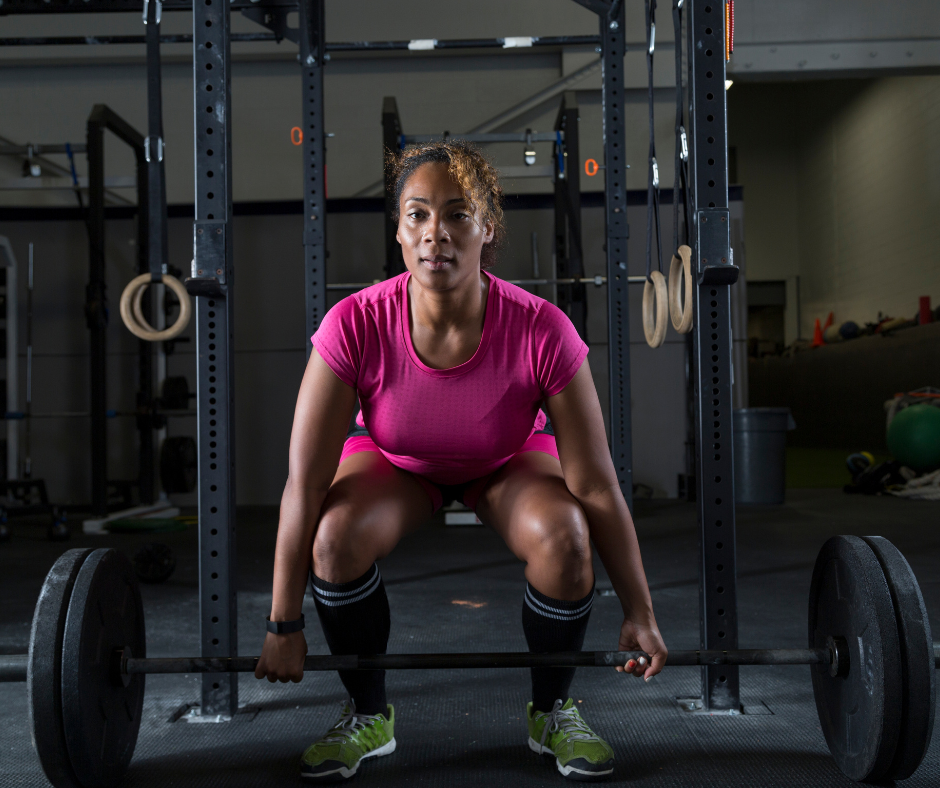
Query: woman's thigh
{"points": [[529, 505], [371, 505]]}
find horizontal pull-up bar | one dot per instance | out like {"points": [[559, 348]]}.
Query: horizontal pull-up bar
{"points": [[518, 42]]}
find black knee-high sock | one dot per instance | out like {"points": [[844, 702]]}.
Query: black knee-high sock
{"points": [[355, 620], [553, 625]]}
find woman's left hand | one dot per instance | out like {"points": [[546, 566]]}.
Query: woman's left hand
{"points": [[635, 636]]}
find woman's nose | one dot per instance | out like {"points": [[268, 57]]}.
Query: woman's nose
{"points": [[435, 230]]}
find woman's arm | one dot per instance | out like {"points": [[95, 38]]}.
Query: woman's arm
{"points": [[591, 478], [321, 419]]}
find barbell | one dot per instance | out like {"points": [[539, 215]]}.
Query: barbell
{"points": [[870, 652]]}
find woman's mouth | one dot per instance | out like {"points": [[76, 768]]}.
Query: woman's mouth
{"points": [[437, 263]]}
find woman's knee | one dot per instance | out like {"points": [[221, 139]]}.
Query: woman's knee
{"points": [[338, 555], [561, 545]]}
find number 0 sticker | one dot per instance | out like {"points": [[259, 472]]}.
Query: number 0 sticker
{"points": [[591, 168], [297, 135]]}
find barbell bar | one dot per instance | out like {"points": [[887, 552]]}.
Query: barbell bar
{"points": [[13, 667], [597, 281]]}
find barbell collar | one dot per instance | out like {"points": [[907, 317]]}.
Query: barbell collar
{"points": [[13, 667]]}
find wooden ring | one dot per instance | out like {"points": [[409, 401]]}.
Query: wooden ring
{"points": [[681, 314], [655, 291], [133, 316]]}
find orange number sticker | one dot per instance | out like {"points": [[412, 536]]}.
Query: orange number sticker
{"points": [[590, 168], [297, 135]]}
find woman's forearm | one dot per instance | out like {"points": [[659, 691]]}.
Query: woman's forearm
{"points": [[614, 538], [300, 512]]}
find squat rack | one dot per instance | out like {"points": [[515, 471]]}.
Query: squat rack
{"points": [[212, 283]]}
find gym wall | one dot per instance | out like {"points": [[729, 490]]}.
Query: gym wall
{"points": [[842, 192]]}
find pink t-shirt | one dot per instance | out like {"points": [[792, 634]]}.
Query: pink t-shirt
{"points": [[450, 425]]}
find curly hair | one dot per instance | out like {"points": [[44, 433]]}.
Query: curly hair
{"points": [[472, 172]]}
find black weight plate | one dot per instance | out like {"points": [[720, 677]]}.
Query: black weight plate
{"points": [[44, 669], [861, 711], [918, 676], [101, 715], [154, 563]]}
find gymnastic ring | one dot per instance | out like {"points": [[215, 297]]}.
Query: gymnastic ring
{"points": [[655, 327], [133, 316], [681, 315]]}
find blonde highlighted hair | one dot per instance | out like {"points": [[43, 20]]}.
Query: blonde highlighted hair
{"points": [[470, 169]]}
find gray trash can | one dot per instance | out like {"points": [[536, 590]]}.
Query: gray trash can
{"points": [[760, 438]]}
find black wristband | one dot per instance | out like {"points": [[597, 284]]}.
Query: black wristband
{"points": [[285, 627]]}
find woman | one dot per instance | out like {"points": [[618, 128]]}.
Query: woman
{"points": [[451, 366]]}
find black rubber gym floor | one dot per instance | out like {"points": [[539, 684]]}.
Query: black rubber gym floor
{"points": [[459, 589]]}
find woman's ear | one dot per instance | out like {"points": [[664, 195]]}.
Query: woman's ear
{"points": [[489, 231]]}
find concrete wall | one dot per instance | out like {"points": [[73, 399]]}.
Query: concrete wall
{"points": [[869, 198], [842, 193]]}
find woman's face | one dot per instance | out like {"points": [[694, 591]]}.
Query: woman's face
{"points": [[440, 237]]}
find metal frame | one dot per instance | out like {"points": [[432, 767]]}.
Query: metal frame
{"points": [[96, 296], [312, 58], [711, 357], [11, 351], [391, 143], [569, 257], [213, 284], [613, 47]]}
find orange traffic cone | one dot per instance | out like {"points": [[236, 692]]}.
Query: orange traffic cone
{"points": [[828, 322], [818, 335]]}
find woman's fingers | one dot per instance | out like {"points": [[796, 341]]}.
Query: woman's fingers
{"points": [[657, 664]]}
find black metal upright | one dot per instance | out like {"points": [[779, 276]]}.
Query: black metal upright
{"points": [[312, 52], [391, 142], [213, 276], [96, 292], [569, 259], [613, 48], [712, 348]]}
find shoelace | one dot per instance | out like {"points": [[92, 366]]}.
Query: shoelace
{"points": [[566, 720], [349, 724]]}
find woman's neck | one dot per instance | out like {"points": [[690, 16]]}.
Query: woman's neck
{"points": [[444, 311], [447, 326]]}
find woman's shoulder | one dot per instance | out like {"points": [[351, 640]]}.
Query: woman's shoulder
{"points": [[522, 305], [516, 299], [378, 293]]}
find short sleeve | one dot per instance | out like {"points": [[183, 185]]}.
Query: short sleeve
{"points": [[558, 350], [339, 340]]}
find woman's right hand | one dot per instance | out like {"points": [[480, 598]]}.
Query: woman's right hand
{"points": [[282, 657]]}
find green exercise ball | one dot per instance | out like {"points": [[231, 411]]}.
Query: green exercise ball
{"points": [[914, 437]]}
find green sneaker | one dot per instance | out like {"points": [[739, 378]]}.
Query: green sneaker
{"points": [[580, 754], [353, 738]]}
